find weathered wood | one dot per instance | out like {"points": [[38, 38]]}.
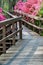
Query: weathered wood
{"points": [[37, 27], [4, 45], [9, 21], [30, 16], [10, 35], [13, 35], [19, 44], [20, 26]]}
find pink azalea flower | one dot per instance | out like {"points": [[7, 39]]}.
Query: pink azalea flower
{"points": [[30, 6], [34, 13], [2, 17], [1, 10]]}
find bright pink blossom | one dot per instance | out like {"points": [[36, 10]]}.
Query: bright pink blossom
{"points": [[30, 6], [0, 10], [2, 17]]}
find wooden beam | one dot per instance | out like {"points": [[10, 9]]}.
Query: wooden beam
{"points": [[10, 35], [37, 27], [9, 21]]}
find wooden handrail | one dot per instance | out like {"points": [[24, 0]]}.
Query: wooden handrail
{"points": [[15, 32], [10, 14], [37, 27], [31, 16], [9, 21]]}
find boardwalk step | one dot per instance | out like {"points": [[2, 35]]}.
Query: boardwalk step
{"points": [[10, 52]]}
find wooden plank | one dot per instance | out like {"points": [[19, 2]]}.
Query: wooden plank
{"points": [[4, 58], [11, 51]]}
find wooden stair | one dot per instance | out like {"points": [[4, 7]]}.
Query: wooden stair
{"points": [[10, 52], [26, 50]]}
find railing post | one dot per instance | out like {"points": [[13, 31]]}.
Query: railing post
{"points": [[13, 42], [20, 26], [4, 44], [39, 26], [16, 28]]}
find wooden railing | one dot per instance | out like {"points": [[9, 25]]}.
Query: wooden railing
{"points": [[12, 22], [36, 28], [31, 16], [29, 23]]}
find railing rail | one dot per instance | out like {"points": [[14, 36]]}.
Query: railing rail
{"points": [[31, 16], [9, 21], [35, 18], [40, 28]]}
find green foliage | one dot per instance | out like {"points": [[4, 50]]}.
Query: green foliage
{"points": [[37, 22], [6, 5], [41, 33], [41, 11]]}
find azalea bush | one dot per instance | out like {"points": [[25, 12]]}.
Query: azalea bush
{"points": [[32, 7], [2, 16]]}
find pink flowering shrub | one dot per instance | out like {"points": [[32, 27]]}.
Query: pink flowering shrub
{"points": [[0, 10], [2, 16], [30, 6], [19, 5]]}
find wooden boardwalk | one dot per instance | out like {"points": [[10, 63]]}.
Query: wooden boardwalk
{"points": [[28, 51]]}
